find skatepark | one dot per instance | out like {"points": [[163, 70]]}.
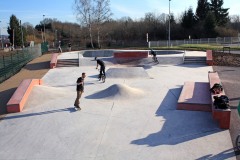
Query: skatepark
{"points": [[133, 115]]}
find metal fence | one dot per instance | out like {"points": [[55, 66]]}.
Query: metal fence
{"points": [[12, 62], [219, 41]]}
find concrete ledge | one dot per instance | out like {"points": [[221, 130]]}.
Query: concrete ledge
{"points": [[195, 96], [20, 96], [53, 62], [209, 57], [222, 116], [214, 78], [131, 54]]}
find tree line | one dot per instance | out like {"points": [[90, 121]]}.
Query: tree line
{"points": [[96, 28]]}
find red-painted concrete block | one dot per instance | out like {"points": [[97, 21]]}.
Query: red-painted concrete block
{"points": [[53, 62], [195, 96], [209, 57], [222, 116], [131, 54], [20, 96]]}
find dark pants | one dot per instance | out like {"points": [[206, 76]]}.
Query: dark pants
{"points": [[77, 101], [102, 71]]}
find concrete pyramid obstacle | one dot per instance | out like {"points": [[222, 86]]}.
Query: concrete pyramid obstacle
{"points": [[118, 91]]}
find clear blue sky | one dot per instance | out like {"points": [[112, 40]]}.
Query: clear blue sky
{"points": [[32, 11]]}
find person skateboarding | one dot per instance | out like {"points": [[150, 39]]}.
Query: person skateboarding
{"points": [[154, 56], [102, 67]]}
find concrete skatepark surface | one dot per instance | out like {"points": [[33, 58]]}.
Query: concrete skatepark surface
{"points": [[131, 116]]}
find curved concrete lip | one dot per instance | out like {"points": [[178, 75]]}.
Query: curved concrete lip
{"points": [[109, 53]]}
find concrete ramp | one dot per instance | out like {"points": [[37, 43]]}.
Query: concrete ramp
{"points": [[130, 72], [195, 96], [42, 94], [118, 91], [89, 61]]}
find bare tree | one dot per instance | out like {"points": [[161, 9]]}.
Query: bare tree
{"points": [[102, 14], [93, 13], [235, 22], [85, 11]]}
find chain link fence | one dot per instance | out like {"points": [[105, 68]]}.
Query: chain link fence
{"points": [[12, 62], [219, 41]]}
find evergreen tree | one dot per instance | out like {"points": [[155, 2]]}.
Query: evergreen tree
{"points": [[221, 14], [210, 24], [202, 9], [14, 31], [188, 19]]}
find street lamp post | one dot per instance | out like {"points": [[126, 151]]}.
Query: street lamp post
{"points": [[22, 34], [1, 35], [56, 38], [44, 28], [42, 35], [13, 40], [169, 28]]}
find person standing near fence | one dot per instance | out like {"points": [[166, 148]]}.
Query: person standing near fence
{"points": [[59, 47], [69, 46], [80, 90]]}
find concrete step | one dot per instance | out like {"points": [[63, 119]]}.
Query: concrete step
{"points": [[192, 59], [67, 63]]}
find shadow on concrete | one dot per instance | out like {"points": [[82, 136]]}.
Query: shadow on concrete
{"points": [[65, 85], [94, 76], [70, 109], [227, 70], [146, 67], [162, 52], [179, 126], [38, 66], [220, 156], [5, 96]]}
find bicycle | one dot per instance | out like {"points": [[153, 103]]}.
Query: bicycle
{"points": [[101, 77], [237, 141], [155, 59]]}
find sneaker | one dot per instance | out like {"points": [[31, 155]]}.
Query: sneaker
{"points": [[78, 107]]}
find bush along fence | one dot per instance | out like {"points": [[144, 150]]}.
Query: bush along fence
{"points": [[11, 63], [226, 59]]}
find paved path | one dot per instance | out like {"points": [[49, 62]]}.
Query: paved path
{"points": [[230, 77], [128, 117], [37, 68]]}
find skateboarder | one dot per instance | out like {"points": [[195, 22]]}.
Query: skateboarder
{"points": [[102, 67], [69, 47], [59, 47], [80, 90], [154, 56]]}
